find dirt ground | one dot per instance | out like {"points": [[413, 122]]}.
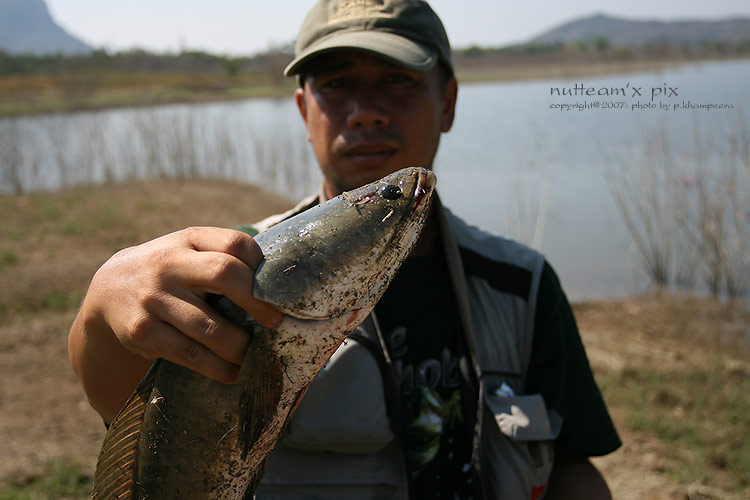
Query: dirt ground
{"points": [[45, 418], [663, 333]]}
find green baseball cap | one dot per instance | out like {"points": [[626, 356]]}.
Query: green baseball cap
{"points": [[405, 32]]}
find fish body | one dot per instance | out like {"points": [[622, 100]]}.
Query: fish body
{"points": [[184, 436]]}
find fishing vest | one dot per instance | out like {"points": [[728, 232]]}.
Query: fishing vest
{"points": [[343, 441]]}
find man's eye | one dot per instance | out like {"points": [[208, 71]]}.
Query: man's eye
{"points": [[336, 83], [398, 79]]}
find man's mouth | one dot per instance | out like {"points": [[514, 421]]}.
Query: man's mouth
{"points": [[366, 153]]}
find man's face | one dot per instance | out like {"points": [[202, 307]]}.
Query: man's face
{"points": [[367, 118]]}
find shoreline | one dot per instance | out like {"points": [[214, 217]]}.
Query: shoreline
{"points": [[29, 95]]}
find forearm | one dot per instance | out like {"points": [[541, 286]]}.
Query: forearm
{"points": [[107, 371], [577, 480]]}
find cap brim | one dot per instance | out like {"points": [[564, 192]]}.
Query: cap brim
{"points": [[392, 47]]}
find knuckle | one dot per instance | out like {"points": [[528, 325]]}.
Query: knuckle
{"points": [[187, 237], [242, 246], [190, 232], [138, 337], [212, 332], [148, 301], [236, 242], [151, 267], [121, 254], [140, 328], [221, 268], [194, 353]]}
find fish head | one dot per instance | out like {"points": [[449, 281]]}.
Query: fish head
{"points": [[339, 256]]}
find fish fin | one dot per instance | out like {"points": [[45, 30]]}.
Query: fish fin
{"points": [[260, 385], [255, 481], [116, 468]]}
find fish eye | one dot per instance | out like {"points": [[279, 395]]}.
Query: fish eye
{"points": [[390, 192]]}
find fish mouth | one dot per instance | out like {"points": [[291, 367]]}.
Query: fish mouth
{"points": [[423, 187]]}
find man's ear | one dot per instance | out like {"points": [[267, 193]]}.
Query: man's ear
{"points": [[299, 97], [450, 96]]}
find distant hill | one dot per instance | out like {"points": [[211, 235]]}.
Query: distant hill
{"points": [[26, 27], [623, 32]]}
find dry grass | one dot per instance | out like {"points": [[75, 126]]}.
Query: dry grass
{"points": [[53, 243]]}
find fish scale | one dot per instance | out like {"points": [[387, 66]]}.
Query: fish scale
{"points": [[184, 436]]}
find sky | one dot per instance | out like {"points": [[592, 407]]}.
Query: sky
{"points": [[245, 27]]}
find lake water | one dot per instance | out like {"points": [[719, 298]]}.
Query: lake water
{"points": [[526, 160], [510, 152]]}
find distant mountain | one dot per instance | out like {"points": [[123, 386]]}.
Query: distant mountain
{"points": [[26, 27], [621, 32]]}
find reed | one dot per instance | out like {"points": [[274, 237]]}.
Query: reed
{"points": [[92, 148], [11, 156], [688, 212]]}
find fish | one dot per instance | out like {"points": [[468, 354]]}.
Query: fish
{"points": [[184, 436]]}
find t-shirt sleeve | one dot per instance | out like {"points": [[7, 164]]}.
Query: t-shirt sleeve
{"points": [[559, 370], [248, 229]]}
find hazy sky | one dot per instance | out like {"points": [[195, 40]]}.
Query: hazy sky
{"points": [[240, 27]]}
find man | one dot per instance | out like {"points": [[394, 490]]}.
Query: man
{"points": [[472, 364]]}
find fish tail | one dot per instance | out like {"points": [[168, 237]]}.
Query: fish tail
{"points": [[115, 476]]}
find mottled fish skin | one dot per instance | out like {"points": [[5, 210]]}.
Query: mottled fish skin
{"points": [[308, 261], [184, 436]]}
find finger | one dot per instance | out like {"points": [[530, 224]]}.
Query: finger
{"points": [[192, 316], [165, 341], [228, 241], [225, 265], [223, 274]]}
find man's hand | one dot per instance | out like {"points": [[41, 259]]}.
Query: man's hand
{"points": [[147, 302]]}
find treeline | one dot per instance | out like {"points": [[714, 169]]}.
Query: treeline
{"points": [[141, 61], [273, 61], [602, 47]]}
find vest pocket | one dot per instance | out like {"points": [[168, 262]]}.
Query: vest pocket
{"points": [[518, 442], [524, 418]]}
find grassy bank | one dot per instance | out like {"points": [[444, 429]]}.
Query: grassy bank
{"points": [[34, 94], [673, 370]]}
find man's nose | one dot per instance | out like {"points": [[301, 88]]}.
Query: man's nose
{"points": [[367, 109]]}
